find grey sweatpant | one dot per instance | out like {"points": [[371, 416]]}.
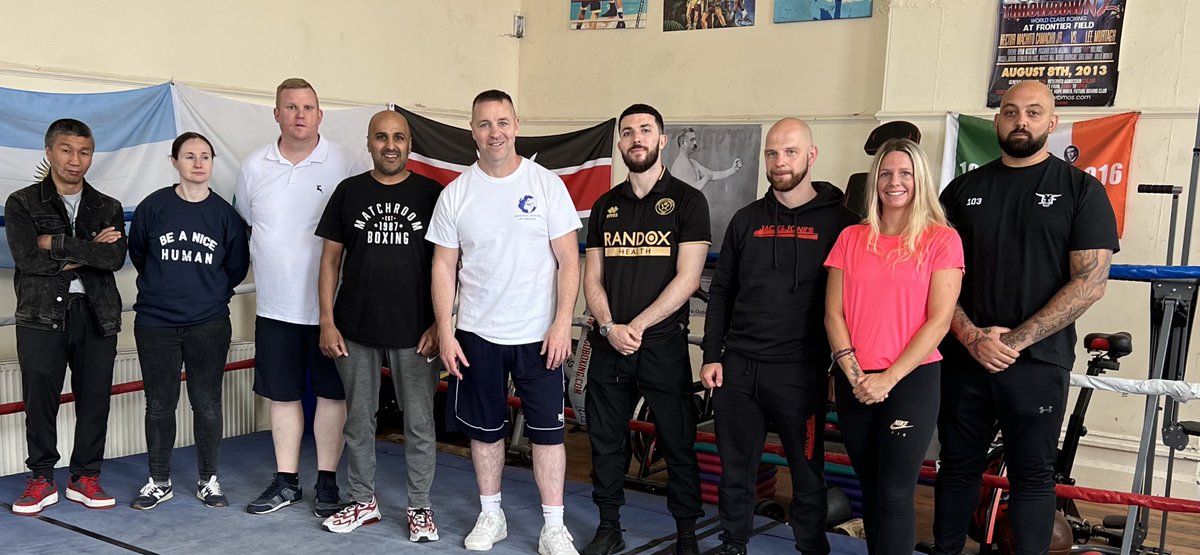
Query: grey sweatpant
{"points": [[415, 379]]}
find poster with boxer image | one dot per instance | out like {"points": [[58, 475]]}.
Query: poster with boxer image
{"points": [[719, 160], [1070, 45], [607, 14], [694, 15], [787, 11]]}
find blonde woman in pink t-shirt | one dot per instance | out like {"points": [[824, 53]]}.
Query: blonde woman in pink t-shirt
{"points": [[893, 283]]}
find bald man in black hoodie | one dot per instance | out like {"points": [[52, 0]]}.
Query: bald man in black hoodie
{"points": [[766, 355]]}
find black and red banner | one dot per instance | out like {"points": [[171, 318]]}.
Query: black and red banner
{"points": [[583, 159]]}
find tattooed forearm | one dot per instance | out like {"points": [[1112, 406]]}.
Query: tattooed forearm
{"points": [[855, 370], [1089, 274], [961, 325]]}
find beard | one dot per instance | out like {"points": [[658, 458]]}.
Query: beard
{"points": [[1021, 147], [383, 169], [638, 167], [785, 184]]}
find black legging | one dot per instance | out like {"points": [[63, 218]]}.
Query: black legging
{"points": [[887, 443]]}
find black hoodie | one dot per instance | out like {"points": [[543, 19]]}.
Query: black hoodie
{"points": [[767, 298]]}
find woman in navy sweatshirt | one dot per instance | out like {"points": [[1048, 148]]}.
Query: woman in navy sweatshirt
{"points": [[190, 249]]}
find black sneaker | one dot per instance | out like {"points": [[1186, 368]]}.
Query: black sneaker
{"points": [[730, 549], [277, 496], [329, 500], [608, 539], [686, 543], [210, 493], [151, 495]]}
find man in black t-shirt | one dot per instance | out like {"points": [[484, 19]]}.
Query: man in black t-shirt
{"points": [[1038, 236], [374, 230], [646, 244]]}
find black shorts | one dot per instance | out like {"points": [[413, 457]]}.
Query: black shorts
{"points": [[477, 404], [586, 6], [286, 356]]}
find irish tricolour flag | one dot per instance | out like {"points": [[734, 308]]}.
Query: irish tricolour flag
{"points": [[1101, 147]]}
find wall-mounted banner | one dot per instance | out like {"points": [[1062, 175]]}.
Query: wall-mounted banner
{"points": [[693, 15], [1101, 147], [583, 159], [787, 11], [719, 160], [608, 14], [1070, 45]]}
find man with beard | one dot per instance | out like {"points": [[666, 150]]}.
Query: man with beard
{"points": [[1038, 235], [691, 171], [766, 326], [646, 244], [374, 231]]}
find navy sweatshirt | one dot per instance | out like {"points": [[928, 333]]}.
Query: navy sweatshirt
{"points": [[189, 256], [767, 298]]}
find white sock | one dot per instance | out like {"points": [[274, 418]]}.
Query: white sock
{"points": [[490, 503], [553, 515]]}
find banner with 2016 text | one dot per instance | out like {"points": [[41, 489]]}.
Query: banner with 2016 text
{"points": [[1102, 147]]}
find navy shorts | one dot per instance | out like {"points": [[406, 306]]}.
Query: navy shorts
{"points": [[286, 356], [477, 404]]}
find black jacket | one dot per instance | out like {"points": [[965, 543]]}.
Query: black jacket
{"points": [[41, 283], [767, 298]]}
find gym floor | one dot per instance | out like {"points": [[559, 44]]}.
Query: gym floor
{"points": [[1183, 535]]}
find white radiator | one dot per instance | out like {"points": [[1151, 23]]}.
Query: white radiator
{"points": [[126, 420]]}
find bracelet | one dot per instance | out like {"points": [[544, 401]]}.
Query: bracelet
{"points": [[839, 354]]}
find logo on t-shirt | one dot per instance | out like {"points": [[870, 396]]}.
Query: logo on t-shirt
{"points": [[664, 207], [612, 213], [1046, 200], [787, 232], [388, 223], [527, 204]]}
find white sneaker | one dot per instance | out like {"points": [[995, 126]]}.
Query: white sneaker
{"points": [[352, 517], [490, 528], [556, 540]]}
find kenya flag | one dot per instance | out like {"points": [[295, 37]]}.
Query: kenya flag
{"points": [[583, 159], [1101, 147]]}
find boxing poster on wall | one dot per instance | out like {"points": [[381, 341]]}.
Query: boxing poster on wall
{"points": [[719, 160], [1070, 45], [607, 14], [787, 11], [1101, 147], [694, 15]]}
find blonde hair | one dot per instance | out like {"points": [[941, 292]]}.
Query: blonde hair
{"points": [[925, 211], [293, 83]]}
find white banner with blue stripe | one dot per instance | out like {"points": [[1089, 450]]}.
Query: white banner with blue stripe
{"points": [[134, 130]]}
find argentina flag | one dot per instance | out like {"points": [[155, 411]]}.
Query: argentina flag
{"points": [[133, 131]]}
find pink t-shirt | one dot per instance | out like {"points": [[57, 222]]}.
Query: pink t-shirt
{"points": [[885, 304]]}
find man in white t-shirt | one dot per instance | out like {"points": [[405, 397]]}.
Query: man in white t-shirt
{"points": [[513, 225], [281, 192]]}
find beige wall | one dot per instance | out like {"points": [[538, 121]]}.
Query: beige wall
{"points": [[938, 57]]}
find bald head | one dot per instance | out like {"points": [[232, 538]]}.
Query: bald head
{"points": [[1024, 123], [789, 151], [389, 140]]}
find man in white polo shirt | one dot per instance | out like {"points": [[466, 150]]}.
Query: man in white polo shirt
{"points": [[281, 192], [513, 225]]}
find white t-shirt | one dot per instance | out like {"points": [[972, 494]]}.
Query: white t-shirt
{"points": [[72, 204], [282, 203], [504, 227]]}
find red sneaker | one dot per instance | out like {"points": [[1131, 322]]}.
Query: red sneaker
{"points": [[87, 491], [39, 494]]}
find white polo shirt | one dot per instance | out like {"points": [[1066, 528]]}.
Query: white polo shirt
{"points": [[282, 204], [504, 226]]}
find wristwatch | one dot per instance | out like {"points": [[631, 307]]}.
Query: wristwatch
{"points": [[605, 328]]}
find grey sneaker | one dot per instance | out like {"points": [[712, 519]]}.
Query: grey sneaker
{"points": [[210, 493], [277, 496], [151, 495]]}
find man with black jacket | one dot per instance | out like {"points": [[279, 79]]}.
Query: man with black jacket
{"points": [[765, 350], [66, 239]]}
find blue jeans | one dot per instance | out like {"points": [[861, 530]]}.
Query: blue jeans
{"points": [[201, 351]]}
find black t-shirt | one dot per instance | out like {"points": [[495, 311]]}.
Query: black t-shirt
{"points": [[1018, 228], [384, 299], [640, 239]]}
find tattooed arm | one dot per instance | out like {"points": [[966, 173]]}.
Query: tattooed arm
{"points": [[983, 343], [1089, 274]]}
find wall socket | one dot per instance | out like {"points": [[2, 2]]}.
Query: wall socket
{"points": [[518, 26]]}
